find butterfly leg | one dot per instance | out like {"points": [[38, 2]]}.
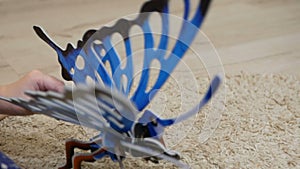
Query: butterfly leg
{"points": [[88, 157], [70, 146]]}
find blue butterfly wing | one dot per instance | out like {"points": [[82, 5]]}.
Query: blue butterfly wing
{"points": [[93, 42], [189, 29]]}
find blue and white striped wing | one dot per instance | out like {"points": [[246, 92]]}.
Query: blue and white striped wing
{"points": [[98, 108]]}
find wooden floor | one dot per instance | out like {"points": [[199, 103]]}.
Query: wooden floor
{"points": [[256, 36]]}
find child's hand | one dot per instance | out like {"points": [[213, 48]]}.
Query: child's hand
{"points": [[35, 80]]}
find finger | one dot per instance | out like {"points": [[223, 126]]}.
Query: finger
{"points": [[51, 83], [2, 116]]}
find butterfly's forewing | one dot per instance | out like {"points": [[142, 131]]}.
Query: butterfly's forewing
{"points": [[189, 29], [90, 47]]}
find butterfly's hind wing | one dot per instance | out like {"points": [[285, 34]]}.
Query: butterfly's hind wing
{"points": [[188, 30]]}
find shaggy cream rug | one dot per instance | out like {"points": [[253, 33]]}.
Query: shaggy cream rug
{"points": [[259, 128]]}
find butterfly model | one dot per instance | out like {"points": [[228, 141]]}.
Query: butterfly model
{"points": [[115, 108]]}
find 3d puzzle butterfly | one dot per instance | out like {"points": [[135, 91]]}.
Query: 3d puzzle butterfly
{"points": [[124, 124]]}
